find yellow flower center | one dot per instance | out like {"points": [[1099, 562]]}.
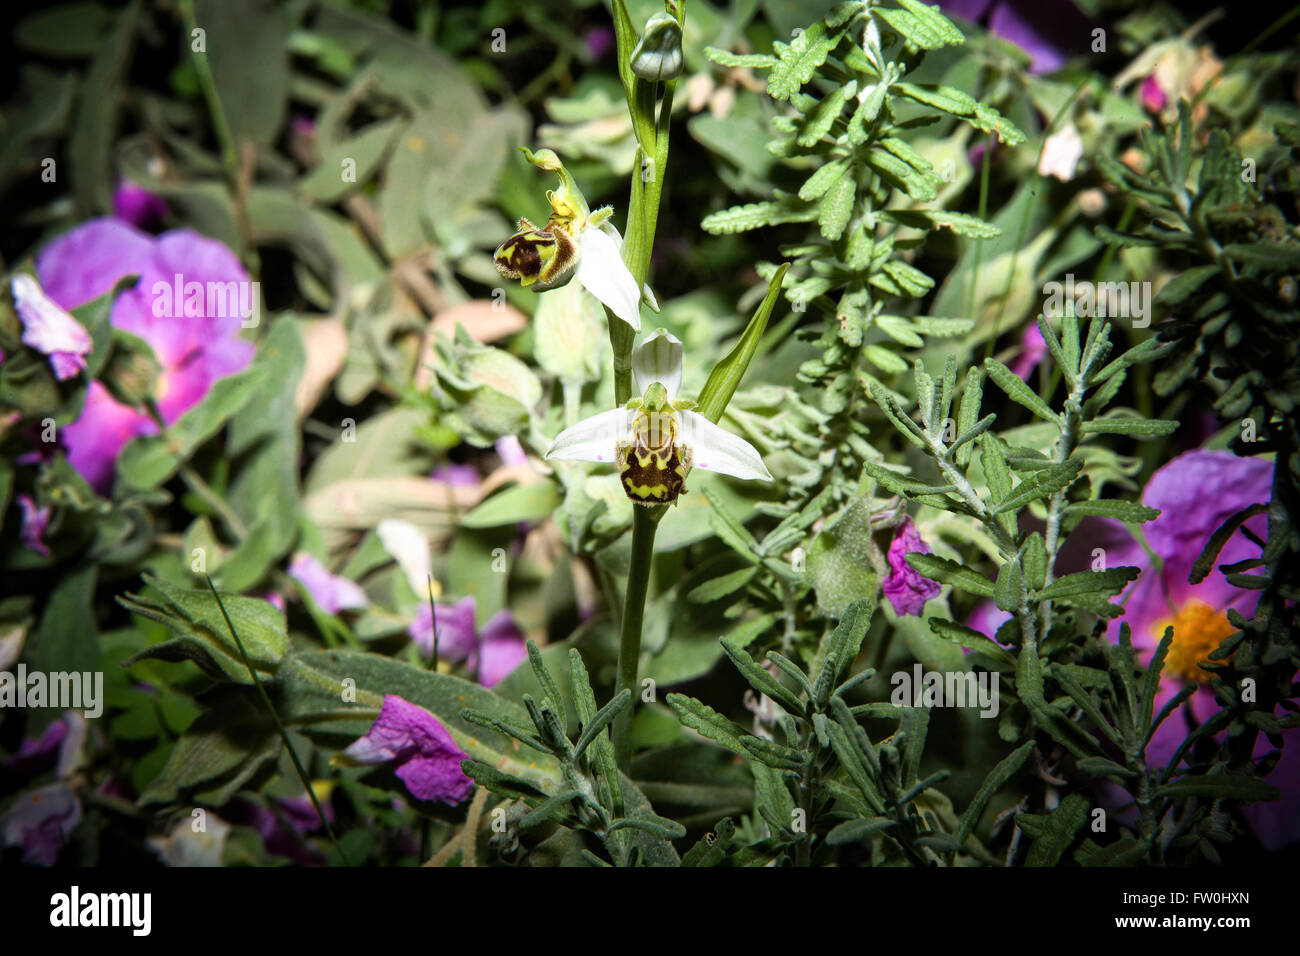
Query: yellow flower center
{"points": [[1198, 630]]}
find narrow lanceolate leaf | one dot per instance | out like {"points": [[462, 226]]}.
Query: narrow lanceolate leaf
{"points": [[1127, 511], [752, 61], [800, 60], [843, 647], [933, 20], [721, 586], [972, 640], [1153, 427], [726, 375], [920, 26], [950, 572], [1054, 832], [1102, 583], [815, 186], [918, 185], [1008, 590], [836, 207], [822, 116], [1220, 786], [706, 721], [1017, 390], [1007, 768], [948, 99], [931, 219], [761, 680], [755, 215], [1047, 482], [851, 831]]}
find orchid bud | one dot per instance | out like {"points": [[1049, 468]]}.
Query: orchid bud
{"points": [[658, 54]]}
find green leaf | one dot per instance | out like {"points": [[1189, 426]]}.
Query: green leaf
{"points": [[1130, 426], [950, 572], [203, 636], [148, 461], [931, 219], [815, 186], [531, 502], [752, 61], [721, 586], [726, 375], [1008, 591], [972, 640], [851, 831], [1101, 583], [1220, 786], [842, 647], [1044, 483], [761, 680], [756, 215], [837, 206], [822, 116], [1006, 768], [1127, 511], [1018, 391], [800, 60], [1054, 832], [703, 719]]}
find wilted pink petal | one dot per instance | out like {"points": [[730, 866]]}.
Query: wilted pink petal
{"points": [[49, 329], [331, 592], [510, 451], [35, 520], [426, 758], [1153, 97], [40, 822], [454, 474], [906, 589]]}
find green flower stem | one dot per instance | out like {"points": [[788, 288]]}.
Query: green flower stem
{"points": [[645, 521]]}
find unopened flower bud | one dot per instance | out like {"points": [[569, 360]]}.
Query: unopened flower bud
{"points": [[658, 54]]}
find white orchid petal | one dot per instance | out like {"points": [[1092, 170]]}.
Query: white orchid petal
{"points": [[410, 548], [658, 359], [603, 273], [716, 449], [592, 439]]}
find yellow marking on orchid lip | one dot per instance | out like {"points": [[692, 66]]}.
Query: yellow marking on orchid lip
{"points": [[652, 464], [1198, 630]]}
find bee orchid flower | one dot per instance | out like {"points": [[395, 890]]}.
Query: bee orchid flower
{"points": [[576, 242], [657, 439]]}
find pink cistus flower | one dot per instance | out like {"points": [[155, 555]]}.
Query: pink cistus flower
{"points": [[332, 593], [138, 206], [195, 335], [490, 654], [1033, 349], [424, 755], [905, 587], [1196, 492]]}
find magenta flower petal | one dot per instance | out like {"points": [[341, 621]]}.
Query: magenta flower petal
{"points": [[1153, 97], [194, 338], [32, 533], [457, 635], [40, 822], [426, 757], [501, 650], [136, 205], [1033, 349], [331, 592], [49, 329], [1277, 822], [454, 474], [96, 438], [906, 589]]}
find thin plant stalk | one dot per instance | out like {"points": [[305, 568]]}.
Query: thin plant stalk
{"points": [[645, 521]]}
